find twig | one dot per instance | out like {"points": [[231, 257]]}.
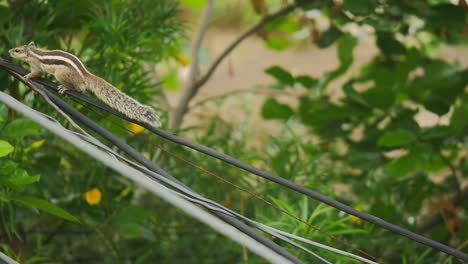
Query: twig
{"points": [[182, 107], [452, 169], [188, 91], [241, 91], [436, 218]]}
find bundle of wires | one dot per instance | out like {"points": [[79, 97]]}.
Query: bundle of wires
{"points": [[150, 176]]}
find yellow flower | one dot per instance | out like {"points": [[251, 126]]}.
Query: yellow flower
{"points": [[93, 196], [354, 219], [135, 128], [182, 59]]}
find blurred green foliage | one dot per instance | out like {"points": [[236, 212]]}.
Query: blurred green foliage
{"points": [[377, 115]]}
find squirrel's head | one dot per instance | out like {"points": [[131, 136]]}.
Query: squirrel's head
{"points": [[21, 52]]}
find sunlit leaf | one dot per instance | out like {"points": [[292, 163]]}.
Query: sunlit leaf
{"points": [[278, 43], [5, 148]]}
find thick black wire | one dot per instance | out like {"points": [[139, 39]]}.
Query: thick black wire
{"points": [[153, 167], [293, 186]]}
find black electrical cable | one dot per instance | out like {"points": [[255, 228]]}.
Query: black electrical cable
{"points": [[153, 167], [293, 186]]}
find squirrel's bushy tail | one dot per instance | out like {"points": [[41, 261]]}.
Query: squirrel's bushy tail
{"points": [[123, 103]]}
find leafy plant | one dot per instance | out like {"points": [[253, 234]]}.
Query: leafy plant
{"points": [[377, 115]]}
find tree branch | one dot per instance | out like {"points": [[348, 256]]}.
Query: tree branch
{"points": [[188, 91], [436, 218], [182, 107], [241, 91]]}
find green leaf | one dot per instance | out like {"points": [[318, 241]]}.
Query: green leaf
{"points": [[360, 7], [21, 177], [277, 43], [389, 45], [396, 138], [325, 117], [130, 222], [306, 81], [5, 148], [449, 18], [437, 132], [5, 14], [280, 74], [346, 45], [171, 81], [7, 167], [46, 207], [440, 86], [329, 37], [20, 128], [272, 109], [286, 24], [459, 118], [415, 160], [353, 95], [345, 48]]}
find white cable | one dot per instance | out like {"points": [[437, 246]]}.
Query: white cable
{"points": [[147, 183], [200, 200], [6, 259]]}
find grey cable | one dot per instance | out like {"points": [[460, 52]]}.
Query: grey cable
{"points": [[145, 182], [6, 259], [282, 181], [213, 206]]}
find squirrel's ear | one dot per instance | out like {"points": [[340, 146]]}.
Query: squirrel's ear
{"points": [[32, 44]]}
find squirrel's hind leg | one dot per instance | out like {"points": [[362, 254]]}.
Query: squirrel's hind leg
{"points": [[67, 83]]}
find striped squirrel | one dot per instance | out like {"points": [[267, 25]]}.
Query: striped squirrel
{"points": [[72, 75]]}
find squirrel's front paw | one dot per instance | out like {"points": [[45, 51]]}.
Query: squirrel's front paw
{"points": [[27, 76], [61, 89]]}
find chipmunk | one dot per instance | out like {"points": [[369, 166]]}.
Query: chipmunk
{"points": [[73, 75]]}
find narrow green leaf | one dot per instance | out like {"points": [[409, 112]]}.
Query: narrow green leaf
{"points": [[5, 148], [46, 207], [346, 45], [280, 74], [396, 138], [459, 120], [437, 132], [21, 177]]}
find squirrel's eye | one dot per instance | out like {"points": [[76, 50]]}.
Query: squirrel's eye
{"points": [[16, 50]]}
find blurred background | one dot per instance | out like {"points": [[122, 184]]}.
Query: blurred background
{"points": [[364, 101]]}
